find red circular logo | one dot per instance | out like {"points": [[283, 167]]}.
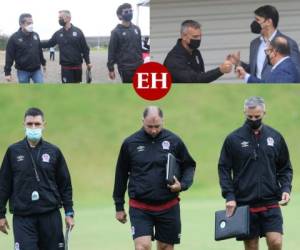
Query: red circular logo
{"points": [[152, 81]]}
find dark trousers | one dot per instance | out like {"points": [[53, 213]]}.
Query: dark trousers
{"points": [[71, 75], [52, 56], [126, 75], [39, 232]]}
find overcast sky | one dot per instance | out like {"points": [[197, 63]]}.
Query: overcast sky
{"points": [[88, 15]]}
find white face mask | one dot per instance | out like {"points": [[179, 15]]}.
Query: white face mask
{"points": [[29, 28]]}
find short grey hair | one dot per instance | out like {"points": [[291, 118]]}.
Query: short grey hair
{"points": [[66, 13], [187, 24], [254, 101], [23, 17]]}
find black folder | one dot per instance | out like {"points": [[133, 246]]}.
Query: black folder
{"points": [[88, 75], [235, 226], [172, 169]]}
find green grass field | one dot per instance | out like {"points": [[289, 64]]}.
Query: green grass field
{"points": [[89, 123], [96, 229]]}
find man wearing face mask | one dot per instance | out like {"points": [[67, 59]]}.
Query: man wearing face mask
{"points": [[34, 177], [185, 61], [73, 49], [125, 46], [283, 69], [255, 170], [153, 204], [24, 48], [265, 23]]}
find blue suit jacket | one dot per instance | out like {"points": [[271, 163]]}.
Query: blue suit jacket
{"points": [[285, 72], [254, 46]]}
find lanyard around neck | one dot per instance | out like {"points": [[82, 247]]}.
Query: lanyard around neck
{"points": [[33, 162]]}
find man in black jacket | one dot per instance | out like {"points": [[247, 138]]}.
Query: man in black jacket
{"points": [[255, 170], [24, 48], [34, 177], [72, 48], [185, 61], [125, 46], [153, 203]]}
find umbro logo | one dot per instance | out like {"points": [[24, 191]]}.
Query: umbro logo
{"points": [[140, 148], [245, 144], [20, 158]]}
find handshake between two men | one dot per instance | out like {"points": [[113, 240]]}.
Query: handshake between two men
{"points": [[277, 64]]}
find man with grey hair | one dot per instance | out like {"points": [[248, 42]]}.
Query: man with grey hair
{"points": [[283, 70], [73, 49], [24, 48], [185, 61], [153, 202], [255, 170]]}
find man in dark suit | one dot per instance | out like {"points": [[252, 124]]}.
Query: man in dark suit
{"points": [[283, 69], [185, 62], [265, 24]]}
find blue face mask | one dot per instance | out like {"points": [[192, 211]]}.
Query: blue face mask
{"points": [[33, 134]]}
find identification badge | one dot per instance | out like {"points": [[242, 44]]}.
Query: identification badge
{"points": [[35, 196]]}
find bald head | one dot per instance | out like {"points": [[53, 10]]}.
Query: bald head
{"points": [[152, 111], [281, 45], [153, 120]]}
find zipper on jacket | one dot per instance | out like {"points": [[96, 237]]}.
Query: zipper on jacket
{"points": [[255, 156]]}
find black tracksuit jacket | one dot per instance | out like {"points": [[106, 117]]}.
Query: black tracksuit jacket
{"points": [[25, 49], [125, 48], [188, 68], [18, 180], [142, 160], [255, 171], [72, 46]]}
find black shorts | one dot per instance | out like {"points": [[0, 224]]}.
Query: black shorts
{"points": [[264, 222], [164, 226], [71, 75], [36, 232]]}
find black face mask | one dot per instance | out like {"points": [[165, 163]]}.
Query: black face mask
{"points": [[255, 27], [269, 61], [254, 124], [127, 17], [194, 44], [62, 22]]}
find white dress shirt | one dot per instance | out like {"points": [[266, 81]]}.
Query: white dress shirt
{"points": [[261, 56]]}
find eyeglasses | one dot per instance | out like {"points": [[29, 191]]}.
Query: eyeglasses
{"points": [[268, 51], [30, 124]]}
